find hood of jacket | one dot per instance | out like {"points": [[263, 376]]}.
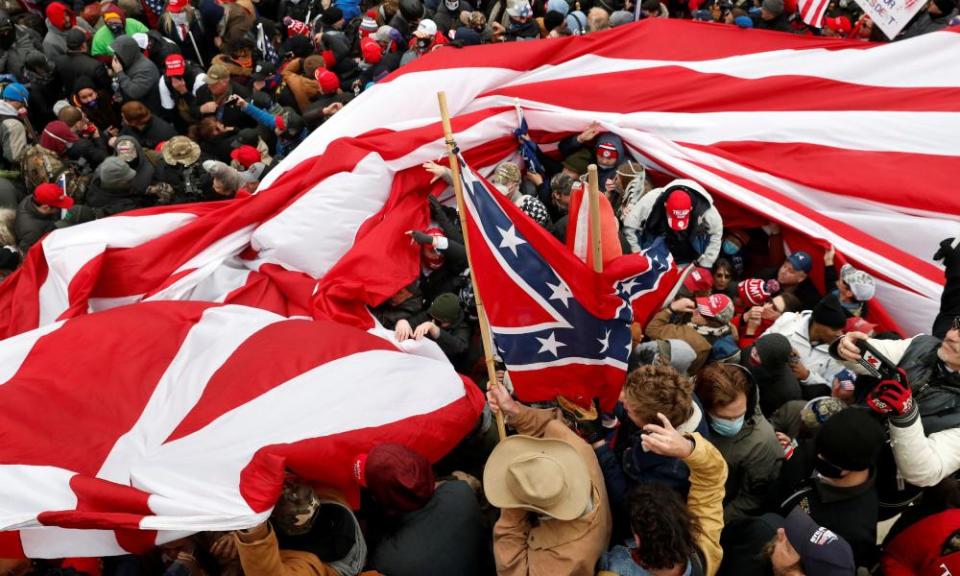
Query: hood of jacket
{"points": [[695, 186], [127, 50], [610, 172], [7, 110]]}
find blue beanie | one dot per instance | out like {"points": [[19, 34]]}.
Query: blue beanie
{"points": [[560, 6], [16, 92], [743, 21]]}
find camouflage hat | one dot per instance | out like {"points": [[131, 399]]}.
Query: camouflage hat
{"points": [[816, 411], [445, 308], [216, 73], [506, 173], [296, 509], [181, 150]]}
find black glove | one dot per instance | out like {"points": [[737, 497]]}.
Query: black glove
{"points": [[421, 238]]}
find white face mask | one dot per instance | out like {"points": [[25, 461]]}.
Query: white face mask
{"points": [[452, 4], [179, 18]]}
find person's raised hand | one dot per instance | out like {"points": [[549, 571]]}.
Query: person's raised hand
{"points": [[590, 133], [665, 440], [848, 349], [437, 170], [683, 305], [829, 255]]}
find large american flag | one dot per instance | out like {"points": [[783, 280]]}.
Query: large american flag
{"points": [[558, 326], [135, 426], [842, 142]]}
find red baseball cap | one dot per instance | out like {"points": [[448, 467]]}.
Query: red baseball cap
{"points": [[328, 81], [718, 306], [52, 195], [176, 6], [175, 65], [857, 324], [699, 280], [840, 24], [678, 208], [246, 155]]}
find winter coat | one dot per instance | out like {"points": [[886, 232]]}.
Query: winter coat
{"points": [[781, 23], [239, 18], [918, 550], [626, 464], [926, 449], [15, 48], [14, 135], [796, 327], [110, 200], [74, 64], [444, 537], [708, 472], [304, 89], [103, 40], [553, 546], [146, 170], [279, 555], [31, 225], [140, 76], [646, 221], [753, 459], [663, 326], [227, 112], [925, 23], [55, 41]]}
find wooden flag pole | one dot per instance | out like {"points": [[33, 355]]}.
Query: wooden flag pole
{"points": [[596, 248], [485, 335]]}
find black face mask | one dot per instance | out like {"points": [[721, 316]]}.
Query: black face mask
{"points": [[116, 28], [828, 470]]}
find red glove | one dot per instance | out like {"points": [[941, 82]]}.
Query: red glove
{"points": [[892, 397]]}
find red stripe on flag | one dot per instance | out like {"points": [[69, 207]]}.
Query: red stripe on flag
{"points": [[889, 178], [650, 39], [245, 375], [680, 89], [432, 435], [19, 304]]}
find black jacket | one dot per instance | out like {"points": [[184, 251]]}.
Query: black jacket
{"points": [[156, 131], [444, 537], [108, 201], [73, 65], [31, 225], [228, 112]]}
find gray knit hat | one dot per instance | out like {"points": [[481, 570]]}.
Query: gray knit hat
{"points": [[115, 172], [620, 17]]}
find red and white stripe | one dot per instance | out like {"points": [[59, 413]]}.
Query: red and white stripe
{"points": [[843, 142], [130, 427], [813, 11]]}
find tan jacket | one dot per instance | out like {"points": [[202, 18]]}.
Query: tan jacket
{"points": [[553, 547], [304, 89], [660, 328], [708, 475], [264, 557]]}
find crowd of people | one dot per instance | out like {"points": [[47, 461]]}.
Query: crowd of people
{"points": [[749, 437]]}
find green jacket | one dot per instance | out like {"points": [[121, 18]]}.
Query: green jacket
{"points": [[104, 37]]}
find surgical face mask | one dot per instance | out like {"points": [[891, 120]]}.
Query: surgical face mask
{"points": [[725, 427], [730, 248]]}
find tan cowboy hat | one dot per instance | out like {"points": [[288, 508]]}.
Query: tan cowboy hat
{"points": [[539, 474]]}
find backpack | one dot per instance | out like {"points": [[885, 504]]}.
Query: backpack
{"points": [[40, 166]]}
